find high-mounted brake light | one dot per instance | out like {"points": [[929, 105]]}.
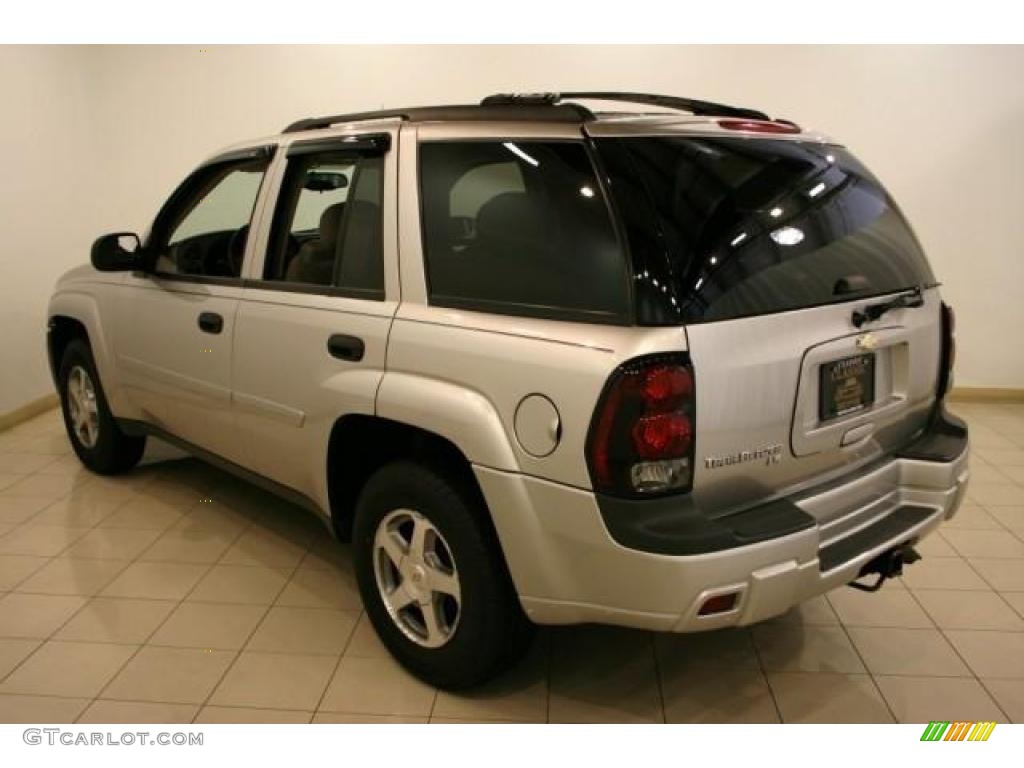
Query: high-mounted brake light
{"points": [[760, 126], [641, 438]]}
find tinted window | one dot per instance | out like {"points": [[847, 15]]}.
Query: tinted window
{"points": [[728, 227], [520, 228], [203, 229], [327, 225]]}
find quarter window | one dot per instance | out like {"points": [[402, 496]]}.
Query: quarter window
{"points": [[520, 228]]}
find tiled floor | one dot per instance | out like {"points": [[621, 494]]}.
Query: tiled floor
{"points": [[178, 594]]}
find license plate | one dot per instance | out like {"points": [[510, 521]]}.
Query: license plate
{"points": [[847, 386]]}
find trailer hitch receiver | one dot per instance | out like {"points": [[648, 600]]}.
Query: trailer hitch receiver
{"points": [[887, 565]]}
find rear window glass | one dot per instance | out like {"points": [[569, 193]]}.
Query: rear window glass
{"points": [[726, 227], [520, 228]]}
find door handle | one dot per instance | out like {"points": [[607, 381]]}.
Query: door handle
{"points": [[211, 322], [344, 347]]}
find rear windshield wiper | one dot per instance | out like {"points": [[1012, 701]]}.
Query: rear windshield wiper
{"points": [[872, 312]]}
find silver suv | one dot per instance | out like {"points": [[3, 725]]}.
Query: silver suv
{"points": [[678, 367]]}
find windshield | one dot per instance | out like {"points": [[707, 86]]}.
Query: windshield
{"points": [[724, 227]]}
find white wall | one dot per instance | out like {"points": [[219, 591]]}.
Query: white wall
{"points": [[941, 126]]}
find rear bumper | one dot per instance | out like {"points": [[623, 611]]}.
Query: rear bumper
{"points": [[568, 568]]}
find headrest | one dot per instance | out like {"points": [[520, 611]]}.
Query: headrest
{"points": [[330, 221], [510, 214]]}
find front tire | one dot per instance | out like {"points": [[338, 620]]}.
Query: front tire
{"points": [[91, 427], [433, 579]]}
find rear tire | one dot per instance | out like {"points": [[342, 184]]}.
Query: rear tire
{"points": [[447, 609], [95, 437]]}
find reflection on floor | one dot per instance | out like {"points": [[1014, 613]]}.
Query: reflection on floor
{"points": [[178, 594]]}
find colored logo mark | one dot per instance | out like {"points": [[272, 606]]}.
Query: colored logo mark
{"points": [[938, 730]]}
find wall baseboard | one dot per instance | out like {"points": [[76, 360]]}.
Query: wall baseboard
{"points": [[987, 395], [27, 411]]}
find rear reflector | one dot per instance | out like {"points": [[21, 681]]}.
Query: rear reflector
{"points": [[718, 604]]}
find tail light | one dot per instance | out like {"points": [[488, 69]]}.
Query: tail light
{"points": [[948, 349], [641, 438], [760, 126]]}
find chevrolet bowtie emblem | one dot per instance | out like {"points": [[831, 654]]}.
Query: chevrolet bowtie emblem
{"points": [[868, 341]]}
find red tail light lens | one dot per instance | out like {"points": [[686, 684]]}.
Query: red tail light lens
{"points": [[641, 438], [760, 126]]}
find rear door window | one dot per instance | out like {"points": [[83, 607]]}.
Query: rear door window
{"points": [[520, 228], [724, 227]]}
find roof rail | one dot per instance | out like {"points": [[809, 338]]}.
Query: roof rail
{"points": [[513, 110], [693, 106]]}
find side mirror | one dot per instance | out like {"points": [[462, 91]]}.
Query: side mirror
{"points": [[117, 252]]}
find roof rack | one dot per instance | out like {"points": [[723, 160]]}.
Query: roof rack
{"points": [[546, 107], [512, 110], [693, 106]]}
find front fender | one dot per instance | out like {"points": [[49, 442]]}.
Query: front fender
{"points": [[463, 416]]}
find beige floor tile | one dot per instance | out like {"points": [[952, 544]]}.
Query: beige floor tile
{"points": [[116, 620], [127, 712], [209, 625], [68, 466], [39, 709], [159, 581], [996, 494], [13, 651], [310, 588], [6, 481], [925, 652], [35, 615], [23, 463], [815, 612], [377, 687], [304, 630], [72, 576], [146, 513], [717, 694], [1013, 457], [18, 509], [972, 544], [40, 540], [328, 554], [1004, 574], [1016, 474], [215, 518], [187, 545], [1010, 517], [732, 648], [1009, 694], [260, 547], [50, 487], [885, 608], [972, 518], [1016, 601], [14, 569], [247, 715], [814, 697], [340, 718], [918, 699], [520, 694], [806, 649], [603, 675], [68, 669], [991, 654], [43, 445], [74, 512], [113, 543], [935, 546], [943, 573], [276, 681], [170, 675], [986, 473], [970, 610], [240, 584], [365, 642]]}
